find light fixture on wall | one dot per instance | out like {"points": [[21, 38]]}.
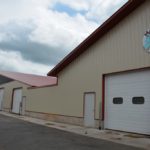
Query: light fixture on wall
{"points": [[146, 41]]}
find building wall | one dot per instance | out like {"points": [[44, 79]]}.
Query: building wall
{"points": [[8, 91], [120, 49]]}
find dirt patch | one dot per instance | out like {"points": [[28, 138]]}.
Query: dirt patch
{"points": [[112, 132], [136, 136], [116, 138], [62, 126], [49, 124]]}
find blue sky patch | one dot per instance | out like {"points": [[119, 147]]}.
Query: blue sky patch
{"points": [[64, 8]]}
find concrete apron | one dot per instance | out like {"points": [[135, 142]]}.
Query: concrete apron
{"points": [[130, 139]]}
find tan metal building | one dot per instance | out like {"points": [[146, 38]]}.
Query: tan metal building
{"points": [[105, 81], [7, 94], [14, 87]]}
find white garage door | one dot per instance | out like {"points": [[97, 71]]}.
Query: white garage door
{"points": [[127, 102], [17, 98], [1, 98]]}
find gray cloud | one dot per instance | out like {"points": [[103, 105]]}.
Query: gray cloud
{"points": [[16, 38]]}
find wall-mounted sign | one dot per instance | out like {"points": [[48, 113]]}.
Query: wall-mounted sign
{"points": [[146, 41]]}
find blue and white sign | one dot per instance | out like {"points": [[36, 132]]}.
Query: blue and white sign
{"points": [[146, 41]]}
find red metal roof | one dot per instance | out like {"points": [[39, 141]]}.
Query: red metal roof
{"points": [[117, 17], [30, 79]]}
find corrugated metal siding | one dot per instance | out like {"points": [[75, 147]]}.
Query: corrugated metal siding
{"points": [[120, 49]]}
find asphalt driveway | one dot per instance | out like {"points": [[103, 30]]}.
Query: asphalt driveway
{"points": [[16, 134]]}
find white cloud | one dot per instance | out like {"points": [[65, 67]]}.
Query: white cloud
{"points": [[50, 27], [100, 10], [21, 9], [54, 28], [59, 31], [65, 32], [79, 5], [12, 61]]}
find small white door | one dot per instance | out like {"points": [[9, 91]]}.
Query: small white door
{"points": [[23, 104], [17, 98], [1, 98], [89, 110]]}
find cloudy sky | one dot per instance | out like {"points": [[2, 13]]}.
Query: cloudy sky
{"points": [[36, 34]]}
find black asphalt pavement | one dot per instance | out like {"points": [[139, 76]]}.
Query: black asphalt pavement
{"points": [[16, 134]]}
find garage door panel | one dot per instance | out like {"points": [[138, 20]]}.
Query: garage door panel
{"points": [[128, 116], [126, 89]]}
